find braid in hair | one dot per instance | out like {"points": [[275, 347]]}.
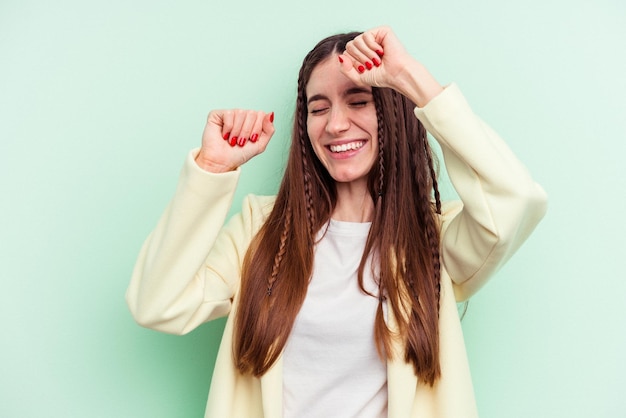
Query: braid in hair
{"points": [[424, 205], [308, 198], [381, 184], [302, 134], [431, 168], [393, 160], [282, 248], [418, 271], [433, 239], [432, 229], [381, 142]]}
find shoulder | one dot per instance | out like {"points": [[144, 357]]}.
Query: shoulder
{"points": [[257, 208], [262, 204]]}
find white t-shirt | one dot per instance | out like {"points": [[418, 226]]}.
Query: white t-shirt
{"points": [[330, 364]]}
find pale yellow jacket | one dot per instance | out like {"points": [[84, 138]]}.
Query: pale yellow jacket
{"points": [[189, 268]]}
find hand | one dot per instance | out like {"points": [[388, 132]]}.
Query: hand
{"points": [[232, 137], [378, 58], [375, 58]]}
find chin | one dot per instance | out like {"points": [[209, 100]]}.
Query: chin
{"points": [[348, 177]]}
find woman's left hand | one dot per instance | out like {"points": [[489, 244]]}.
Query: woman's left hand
{"points": [[378, 58]]}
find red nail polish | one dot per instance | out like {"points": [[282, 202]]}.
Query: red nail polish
{"points": [[380, 53], [368, 65], [226, 135], [233, 141], [376, 62], [241, 142], [272, 117], [254, 137], [361, 69], [340, 59]]}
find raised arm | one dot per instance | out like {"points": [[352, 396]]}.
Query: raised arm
{"points": [[501, 204], [189, 267]]}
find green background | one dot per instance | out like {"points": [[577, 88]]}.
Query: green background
{"points": [[101, 101]]}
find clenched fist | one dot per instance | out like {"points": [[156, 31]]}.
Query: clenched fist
{"points": [[232, 137]]}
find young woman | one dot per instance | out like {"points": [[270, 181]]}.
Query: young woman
{"points": [[340, 291]]}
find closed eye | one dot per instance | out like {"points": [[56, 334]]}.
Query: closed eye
{"points": [[318, 111], [359, 103]]}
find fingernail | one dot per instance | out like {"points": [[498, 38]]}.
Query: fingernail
{"points": [[361, 69], [368, 65], [272, 117], [233, 141], [340, 59], [376, 62], [241, 142], [380, 53], [254, 137], [226, 135]]}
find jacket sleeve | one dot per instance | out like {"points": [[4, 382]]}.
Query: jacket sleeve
{"points": [[501, 204], [189, 267]]}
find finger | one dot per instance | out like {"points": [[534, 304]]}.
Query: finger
{"points": [[257, 128], [374, 49], [267, 130], [227, 119], [239, 118], [348, 68], [247, 126], [360, 53]]}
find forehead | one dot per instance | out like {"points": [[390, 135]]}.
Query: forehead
{"points": [[326, 78]]}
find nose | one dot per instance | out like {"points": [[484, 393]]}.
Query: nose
{"points": [[338, 121]]}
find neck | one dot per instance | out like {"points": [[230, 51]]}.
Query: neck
{"points": [[354, 203]]}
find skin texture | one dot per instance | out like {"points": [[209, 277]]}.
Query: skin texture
{"points": [[375, 58], [220, 152], [342, 113], [397, 70]]}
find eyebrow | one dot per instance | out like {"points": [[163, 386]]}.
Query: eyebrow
{"points": [[349, 92]]}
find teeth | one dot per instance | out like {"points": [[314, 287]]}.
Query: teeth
{"points": [[347, 147]]}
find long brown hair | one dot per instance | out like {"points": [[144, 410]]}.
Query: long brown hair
{"points": [[403, 239]]}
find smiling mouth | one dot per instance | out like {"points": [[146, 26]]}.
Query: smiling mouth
{"points": [[350, 146]]}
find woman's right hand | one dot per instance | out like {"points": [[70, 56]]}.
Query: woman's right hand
{"points": [[232, 137]]}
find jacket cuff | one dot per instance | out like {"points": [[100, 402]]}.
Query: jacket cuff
{"points": [[202, 182]]}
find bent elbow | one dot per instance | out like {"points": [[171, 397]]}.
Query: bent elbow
{"points": [[152, 318], [176, 319], [535, 204], [160, 324], [524, 213]]}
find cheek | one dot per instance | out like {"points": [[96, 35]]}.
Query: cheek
{"points": [[373, 122], [313, 131], [367, 121], [311, 127], [313, 138]]}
